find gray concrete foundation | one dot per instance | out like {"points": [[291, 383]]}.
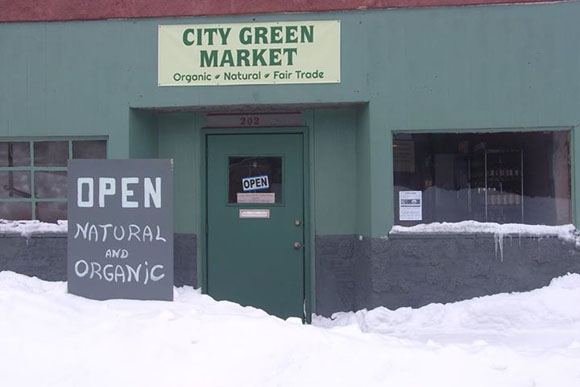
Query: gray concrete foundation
{"points": [[44, 256], [419, 269]]}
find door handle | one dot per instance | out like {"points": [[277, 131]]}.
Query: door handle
{"points": [[297, 245]]}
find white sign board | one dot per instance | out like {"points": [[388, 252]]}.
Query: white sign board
{"points": [[410, 205], [249, 53], [255, 183], [256, 197]]}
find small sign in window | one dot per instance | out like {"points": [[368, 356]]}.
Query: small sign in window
{"points": [[410, 205]]}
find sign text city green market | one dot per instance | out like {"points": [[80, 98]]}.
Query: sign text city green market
{"points": [[256, 35]]}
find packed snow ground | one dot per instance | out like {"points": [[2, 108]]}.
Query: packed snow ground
{"points": [[51, 338]]}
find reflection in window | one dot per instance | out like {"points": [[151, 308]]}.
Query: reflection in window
{"points": [[50, 153], [512, 177], [50, 185], [255, 179], [14, 154], [36, 189], [16, 210], [96, 149], [15, 184], [51, 211]]}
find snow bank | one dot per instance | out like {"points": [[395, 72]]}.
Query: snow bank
{"points": [[493, 318], [51, 338], [27, 228]]}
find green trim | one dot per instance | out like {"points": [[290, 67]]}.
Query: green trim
{"points": [[574, 138], [51, 138], [309, 295]]}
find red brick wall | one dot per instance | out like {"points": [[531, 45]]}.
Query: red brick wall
{"points": [[53, 10]]}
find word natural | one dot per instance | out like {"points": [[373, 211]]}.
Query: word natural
{"points": [[103, 232]]}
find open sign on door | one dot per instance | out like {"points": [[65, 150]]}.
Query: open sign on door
{"points": [[255, 183]]}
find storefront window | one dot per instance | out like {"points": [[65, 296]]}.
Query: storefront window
{"points": [[33, 176], [509, 177]]}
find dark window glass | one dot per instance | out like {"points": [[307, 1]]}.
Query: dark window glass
{"points": [[255, 180], [14, 154], [50, 185], [512, 177], [16, 210], [96, 149], [50, 153], [50, 211], [15, 184]]}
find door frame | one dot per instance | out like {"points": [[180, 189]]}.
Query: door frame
{"points": [[308, 237]]}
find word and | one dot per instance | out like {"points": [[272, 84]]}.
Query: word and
{"points": [[88, 191]]}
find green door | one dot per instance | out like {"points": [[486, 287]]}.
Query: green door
{"points": [[255, 221]]}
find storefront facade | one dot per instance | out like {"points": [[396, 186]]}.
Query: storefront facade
{"points": [[476, 108]]}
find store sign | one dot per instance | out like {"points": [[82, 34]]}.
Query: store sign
{"points": [[255, 183], [249, 53], [410, 205], [120, 229]]}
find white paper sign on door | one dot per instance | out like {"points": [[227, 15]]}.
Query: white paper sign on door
{"points": [[410, 205]]}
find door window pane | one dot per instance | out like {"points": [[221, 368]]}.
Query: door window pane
{"points": [[512, 177], [16, 210], [50, 153], [254, 179], [50, 185], [94, 149], [14, 154], [50, 211], [15, 184]]}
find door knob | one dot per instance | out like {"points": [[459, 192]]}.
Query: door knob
{"points": [[297, 245]]}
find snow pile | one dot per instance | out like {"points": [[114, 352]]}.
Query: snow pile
{"points": [[51, 338], [27, 228], [515, 318]]}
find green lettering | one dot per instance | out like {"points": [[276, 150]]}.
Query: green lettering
{"points": [[208, 60], [224, 33], [259, 56], [243, 56], [306, 34], [276, 34], [186, 33], [275, 57], [227, 58], [246, 35], [290, 52], [210, 32], [260, 35], [292, 34]]}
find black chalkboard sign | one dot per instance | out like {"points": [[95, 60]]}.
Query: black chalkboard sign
{"points": [[120, 229]]}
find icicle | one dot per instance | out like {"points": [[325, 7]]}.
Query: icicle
{"points": [[498, 241]]}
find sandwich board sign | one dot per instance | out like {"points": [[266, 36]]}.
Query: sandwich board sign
{"points": [[120, 229]]}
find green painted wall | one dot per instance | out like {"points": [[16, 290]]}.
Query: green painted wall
{"points": [[179, 140], [462, 68]]}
